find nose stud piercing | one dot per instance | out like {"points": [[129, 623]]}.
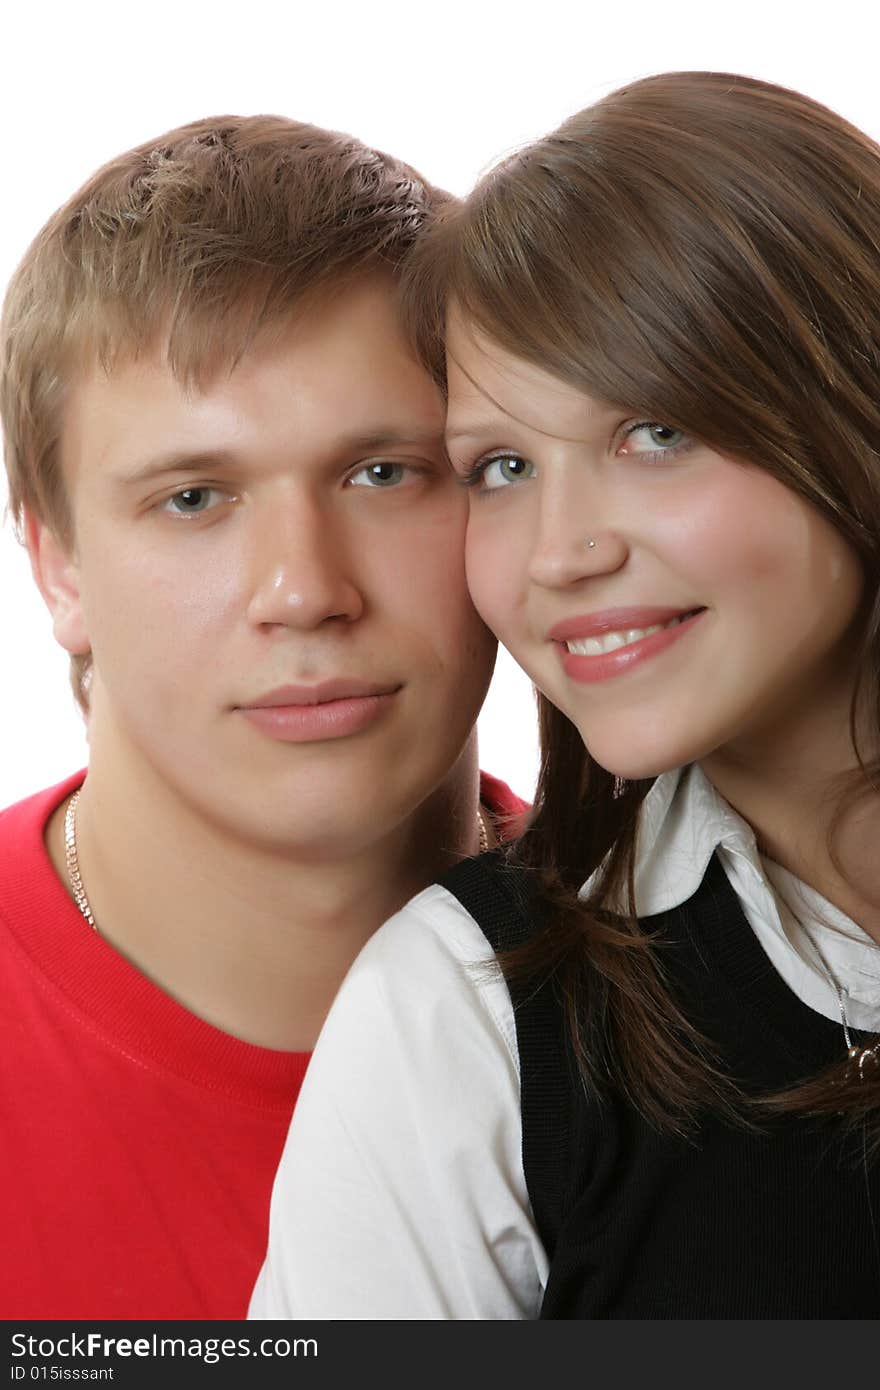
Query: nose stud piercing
{"points": [[590, 544]]}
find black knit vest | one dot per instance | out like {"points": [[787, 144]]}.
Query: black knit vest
{"points": [[784, 1223]]}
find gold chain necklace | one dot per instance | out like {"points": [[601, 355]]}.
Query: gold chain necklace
{"points": [[858, 1057], [73, 873]]}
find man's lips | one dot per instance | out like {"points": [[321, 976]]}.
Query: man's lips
{"points": [[340, 688], [315, 713]]}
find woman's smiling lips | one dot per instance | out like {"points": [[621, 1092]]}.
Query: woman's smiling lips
{"points": [[601, 645], [313, 713]]}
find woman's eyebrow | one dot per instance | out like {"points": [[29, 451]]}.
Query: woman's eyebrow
{"points": [[468, 431]]}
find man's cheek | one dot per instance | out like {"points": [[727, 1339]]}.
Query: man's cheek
{"points": [[485, 585]]}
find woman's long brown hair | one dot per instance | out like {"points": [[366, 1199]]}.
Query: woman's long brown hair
{"points": [[705, 249]]}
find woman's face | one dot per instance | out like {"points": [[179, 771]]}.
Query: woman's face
{"points": [[671, 602]]}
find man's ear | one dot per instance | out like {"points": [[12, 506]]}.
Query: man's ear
{"points": [[57, 575]]}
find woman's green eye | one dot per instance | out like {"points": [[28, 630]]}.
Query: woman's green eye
{"points": [[652, 437], [504, 470]]}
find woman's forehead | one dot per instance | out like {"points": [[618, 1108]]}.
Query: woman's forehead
{"points": [[487, 384]]}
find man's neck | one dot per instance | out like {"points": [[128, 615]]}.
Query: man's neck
{"points": [[253, 940]]}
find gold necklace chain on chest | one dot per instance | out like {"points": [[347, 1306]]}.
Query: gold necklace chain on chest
{"points": [[859, 1056], [72, 857]]}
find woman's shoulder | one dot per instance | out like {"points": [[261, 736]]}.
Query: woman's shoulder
{"points": [[433, 922], [429, 964], [406, 1144]]}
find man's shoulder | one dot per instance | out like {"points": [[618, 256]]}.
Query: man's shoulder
{"points": [[22, 823], [509, 811]]}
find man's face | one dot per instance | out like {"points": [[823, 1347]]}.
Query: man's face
{"points": [[270, 576]]}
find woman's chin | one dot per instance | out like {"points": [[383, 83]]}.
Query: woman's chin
{"points": [[637, 764]]}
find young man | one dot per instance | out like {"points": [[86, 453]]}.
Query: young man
{"points": [[230, 476]]}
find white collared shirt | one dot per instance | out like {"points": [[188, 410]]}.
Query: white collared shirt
{"points": [[401, 1192], [683, 822]]}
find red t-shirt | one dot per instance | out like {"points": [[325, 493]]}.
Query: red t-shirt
{"points": [[137, 1143]]}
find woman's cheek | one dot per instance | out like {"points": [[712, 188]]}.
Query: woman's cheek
{"points": [[489, 574]]}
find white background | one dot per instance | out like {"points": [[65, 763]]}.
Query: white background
{"points": [[447, 86]]}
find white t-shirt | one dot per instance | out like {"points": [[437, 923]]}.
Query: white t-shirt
{"points": [[401, 1193]]}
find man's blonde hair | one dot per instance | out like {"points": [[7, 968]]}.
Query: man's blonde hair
{"points": [[204, 236]]}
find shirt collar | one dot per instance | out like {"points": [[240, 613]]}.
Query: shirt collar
{"points": [[682, 822]]}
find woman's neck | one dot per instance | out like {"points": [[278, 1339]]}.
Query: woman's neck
{"points": [[812, 811], [820, 822]]}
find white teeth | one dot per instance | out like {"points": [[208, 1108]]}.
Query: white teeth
{"points": [[610, 641]]}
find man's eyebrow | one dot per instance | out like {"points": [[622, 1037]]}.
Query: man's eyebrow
{"points": [[222, 460], [176, 461], [391, 437]]}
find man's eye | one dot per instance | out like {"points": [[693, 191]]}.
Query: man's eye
{"points": [[503, 470], [384, 474], [193, 500]]}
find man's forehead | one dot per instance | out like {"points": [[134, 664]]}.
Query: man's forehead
{"points": [[137, 419]]}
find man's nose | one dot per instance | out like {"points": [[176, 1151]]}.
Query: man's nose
{"points": [[303, 568]]}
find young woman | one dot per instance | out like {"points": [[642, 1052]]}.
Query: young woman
{"points": [[663, 335]]}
